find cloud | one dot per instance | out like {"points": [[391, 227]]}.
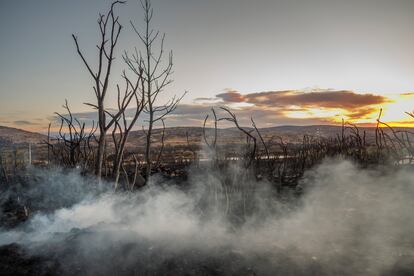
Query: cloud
{"points": [[202, 100], [362, 113], [24, 123], [303, 107], [325, 99], [269, 108], [289, 107], [231, 96], [407, 94]]}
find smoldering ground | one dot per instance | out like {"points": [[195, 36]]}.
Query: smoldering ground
{"points": [[348, 221]]}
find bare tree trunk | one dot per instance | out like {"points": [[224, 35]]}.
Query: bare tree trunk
{"points": [[100, 154], [48, 144], [110, 29], [148, 148], [102, 139], [156, 78], [124, 127]]}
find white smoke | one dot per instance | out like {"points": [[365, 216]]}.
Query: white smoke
{"points": [[349, 221]]}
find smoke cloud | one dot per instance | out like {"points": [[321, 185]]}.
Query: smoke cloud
{"points": [[347, 221]]}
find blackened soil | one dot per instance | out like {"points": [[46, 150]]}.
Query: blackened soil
{"points": [[15, 261]]}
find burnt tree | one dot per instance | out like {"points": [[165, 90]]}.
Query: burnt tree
{"points": [[156, 75], [110, 29]]}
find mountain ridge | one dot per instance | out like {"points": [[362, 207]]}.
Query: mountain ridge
{"points": [[16, 135]]}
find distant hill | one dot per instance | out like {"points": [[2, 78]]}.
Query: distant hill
{"points": [[18, 136], [292, 134], [178, 135]]}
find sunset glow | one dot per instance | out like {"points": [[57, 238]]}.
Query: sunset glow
{"points": [[393, 113], [282, 63]]}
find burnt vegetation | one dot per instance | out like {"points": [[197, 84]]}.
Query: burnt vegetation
{"points": [[88, 147], [102, 154]]}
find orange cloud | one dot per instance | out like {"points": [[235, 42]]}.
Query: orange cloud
{"points": [[325, 99], [231, 97], [325, 105]]}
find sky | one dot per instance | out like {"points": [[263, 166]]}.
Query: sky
{"points": [[283, 62]]}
